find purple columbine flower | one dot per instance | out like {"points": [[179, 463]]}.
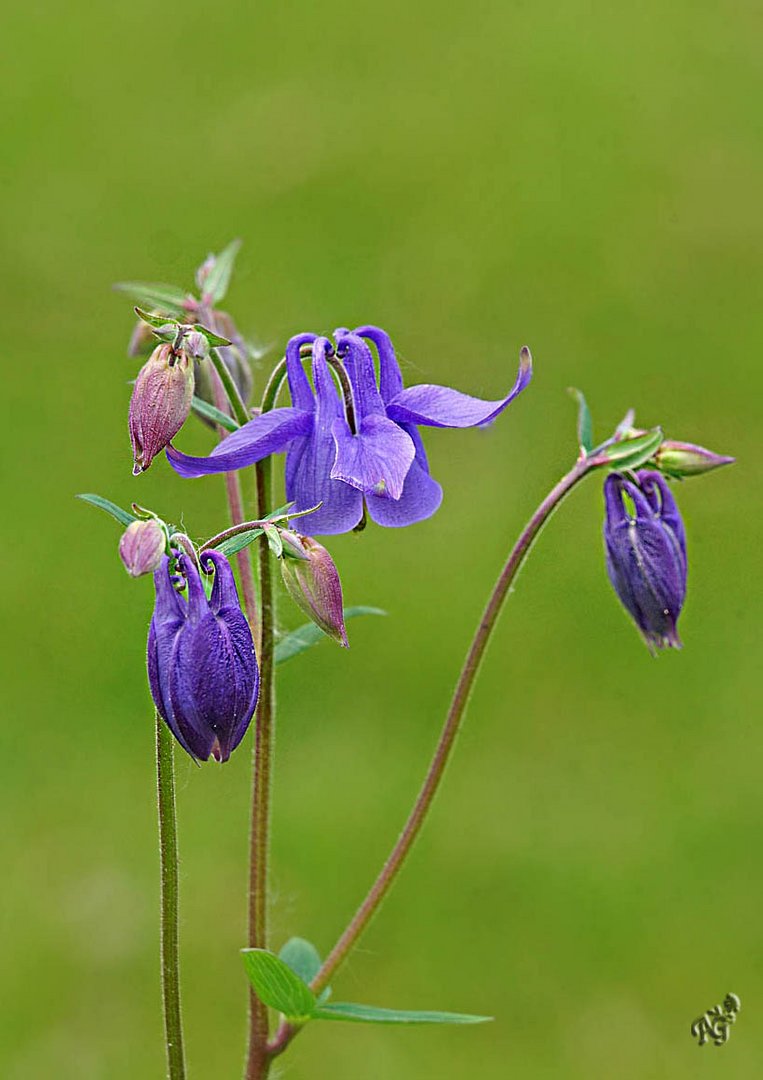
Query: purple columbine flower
{"points": [[645, 546], [379, 461], [201, 664]]}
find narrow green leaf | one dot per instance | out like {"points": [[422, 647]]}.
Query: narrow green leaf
{"points": [[237, 543], [214, 340], [124, 517], [298, 641], [218, 278], [165, 297], [370, 1014], [302, 957], [585, 424], [630, 453], [159, 322], [274, 540], [277, 985], [217, 416]]}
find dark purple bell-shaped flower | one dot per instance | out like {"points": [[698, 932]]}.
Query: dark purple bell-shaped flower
{"points": [[201, 664], [645, 545]]}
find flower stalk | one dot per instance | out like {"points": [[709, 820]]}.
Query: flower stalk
{"points": [[451, 727], [168, 855]]}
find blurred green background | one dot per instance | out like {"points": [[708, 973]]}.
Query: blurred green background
{"points": [[582, 177]]}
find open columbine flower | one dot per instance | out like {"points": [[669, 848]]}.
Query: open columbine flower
{"points": [[379, 460], [201, 664], [645, 545]]}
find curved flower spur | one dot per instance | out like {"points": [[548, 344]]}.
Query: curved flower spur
{"points": [[375, 457], [201, 663]]}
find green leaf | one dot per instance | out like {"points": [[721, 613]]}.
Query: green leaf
{"points": [[159, 322], [274, 540], [370, 1014], [218, 278], [277, 985], [214, 340], [630, 453], [237, 543], [217, 416], [585, 424], [302, 957], [124, 517], [165, 297], [304, 960], [298, 641]]}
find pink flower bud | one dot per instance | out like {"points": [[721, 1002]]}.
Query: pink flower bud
{"points": [[141, 547], [312, 581], [160, 403]]}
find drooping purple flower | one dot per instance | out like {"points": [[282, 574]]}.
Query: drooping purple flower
{"points": [[645, 545], [202, 669], [379, 461]]}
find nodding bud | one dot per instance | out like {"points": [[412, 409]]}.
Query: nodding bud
{"points": [[142, 547], [681, 459], [312, 581], [160, 403], [645, 545]]}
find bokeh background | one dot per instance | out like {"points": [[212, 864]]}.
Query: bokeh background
{"points": [[581, 177]]}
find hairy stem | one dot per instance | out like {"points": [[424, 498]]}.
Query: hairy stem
{"points": [[168, 856], [258, 1062], [464, 685]]}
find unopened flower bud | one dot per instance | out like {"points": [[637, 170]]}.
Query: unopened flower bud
{"points": [[204, 270], [141, 547], [681, 459], [645, 547], [196, 345], [160, 403], [312, 581]]}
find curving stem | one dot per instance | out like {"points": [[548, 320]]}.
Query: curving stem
{"points": [[466, 679]]}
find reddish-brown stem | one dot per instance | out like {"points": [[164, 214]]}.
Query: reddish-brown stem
{"points": [[397, 856]]}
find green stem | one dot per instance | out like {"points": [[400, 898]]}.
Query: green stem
{"points": [[236, 402], [258, 1062], [168, 855], [466, 679]]}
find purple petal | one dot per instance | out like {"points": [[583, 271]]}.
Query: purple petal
{"points": [[421, 495], [658, 491], [266, 434], [359, 364], [299, 386], [310, 460], [390, 377], [213, 683], [439, 406], [376, 460], [224, 592]]}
